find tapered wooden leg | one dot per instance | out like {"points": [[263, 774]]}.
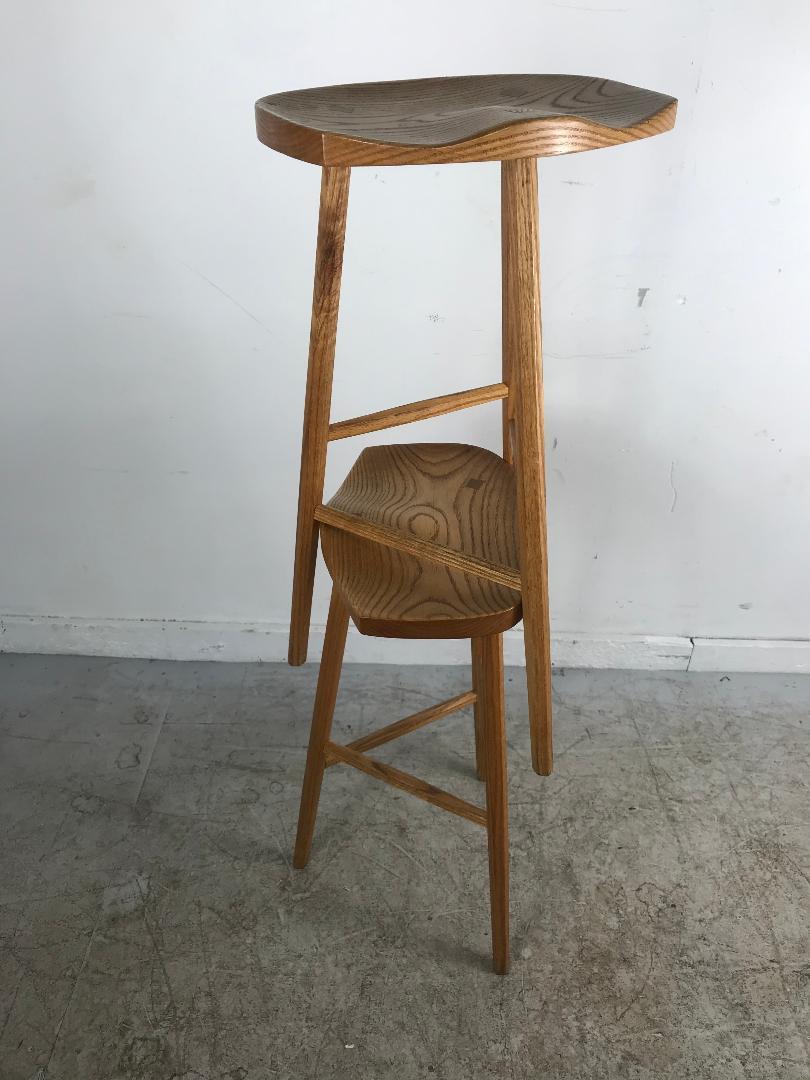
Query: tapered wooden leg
{"points": [[328, 679], [478, 707], [508, 403], [491, 649], [524, 369], [323, 332]]}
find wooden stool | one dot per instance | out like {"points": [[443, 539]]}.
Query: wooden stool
{"points": [[436, 540]]}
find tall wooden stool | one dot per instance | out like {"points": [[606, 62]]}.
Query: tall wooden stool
{"points": [[435, 540]]}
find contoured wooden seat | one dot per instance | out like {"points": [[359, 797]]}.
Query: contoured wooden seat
{"points": [[460, 118], [420, 496]]}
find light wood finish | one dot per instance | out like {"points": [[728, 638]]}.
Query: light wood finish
{"points": [[446, 500], [440, 540], [423, 549], [492, 702], [468, 118], [412, 723], [521, 312], [323, 331], [417, 410], [325, 696], [393, 594], [478, 707], [508, 403], [406, 782], [488, 655]]}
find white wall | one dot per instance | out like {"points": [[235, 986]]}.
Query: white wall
{"points": [[156, 285]]}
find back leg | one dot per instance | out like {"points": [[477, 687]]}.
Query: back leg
{"points": [[323, 333], [478, 707], [491, 649], [337, 626]]}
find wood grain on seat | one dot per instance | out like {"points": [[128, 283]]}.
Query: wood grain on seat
{"points": [[459, 497], [460, 118]]}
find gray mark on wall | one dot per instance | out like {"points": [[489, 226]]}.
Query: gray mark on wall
{"points": [[774, 201], [74, 191], [763, 433], [642, 295], [747, 606], [227, 296], [593, 10], [674, 489], [554, 444], [598, 356]]}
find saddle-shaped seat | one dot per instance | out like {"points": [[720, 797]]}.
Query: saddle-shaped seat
{"points": [[459, 118]]}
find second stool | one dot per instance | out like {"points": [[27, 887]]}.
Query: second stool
{"points": [[466, 495]]}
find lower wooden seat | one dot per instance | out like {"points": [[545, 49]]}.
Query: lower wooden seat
{"points": [[442, 497]]}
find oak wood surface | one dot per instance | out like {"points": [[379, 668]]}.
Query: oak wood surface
{"points": [[522, 339], [334, 644], [492, 711], [460, 118], [508, 403], [406, 782], [417, 410], [478, 707], [412, 723], [423, 549], [461, 497], [439, 498], [323, 332], [392, 594]]}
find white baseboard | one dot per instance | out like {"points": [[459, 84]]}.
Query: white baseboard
{"points": [[230, 641], [267, 642], [745, 654], [633, 652]]}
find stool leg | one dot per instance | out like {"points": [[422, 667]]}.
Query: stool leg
{"points": [[508, 403], [491, 650], [323, 333], [478, 707], [328, 679], [523, 368]]}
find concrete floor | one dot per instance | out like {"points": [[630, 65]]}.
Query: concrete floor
{"points": [[151, 925]]}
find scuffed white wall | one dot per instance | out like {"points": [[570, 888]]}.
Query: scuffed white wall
{"points": [[157, 267]]}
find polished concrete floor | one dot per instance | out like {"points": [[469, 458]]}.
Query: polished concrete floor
{"points": [[151, 925]]}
